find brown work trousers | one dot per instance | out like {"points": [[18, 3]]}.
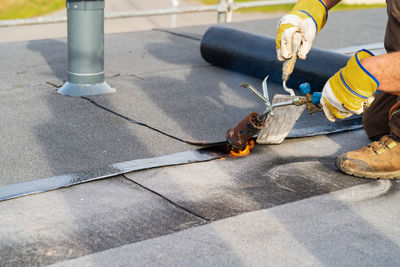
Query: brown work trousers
{"points": [[376, 119]]}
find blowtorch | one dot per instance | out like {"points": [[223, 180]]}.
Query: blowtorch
{"points": [[252, 124], [278, 128]]}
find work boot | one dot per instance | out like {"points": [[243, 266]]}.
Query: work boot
{"points": [[380, 159]]}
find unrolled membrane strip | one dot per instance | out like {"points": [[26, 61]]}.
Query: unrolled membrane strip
{"points": [[255, 55], [200, 155], [56, 182]]}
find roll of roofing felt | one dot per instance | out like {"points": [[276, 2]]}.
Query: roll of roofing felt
{"points": [[255, 55]]}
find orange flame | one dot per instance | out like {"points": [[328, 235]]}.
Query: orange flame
{"points": [[243, 152]]}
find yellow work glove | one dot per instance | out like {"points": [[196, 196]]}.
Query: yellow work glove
{"points": [[307, 17], [349, 90]]}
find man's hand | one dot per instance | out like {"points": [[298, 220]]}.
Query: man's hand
{"points": [[349, 90], [307, 17]]}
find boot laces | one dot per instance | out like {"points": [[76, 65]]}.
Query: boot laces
{"points": [[386, 142]]}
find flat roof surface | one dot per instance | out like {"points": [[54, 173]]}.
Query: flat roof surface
{"points": [[161, 80]]}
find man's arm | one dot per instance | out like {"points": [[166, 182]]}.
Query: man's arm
{"points": [[346, 92], [386, 68]]}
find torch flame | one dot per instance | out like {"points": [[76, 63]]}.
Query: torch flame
{"points": [[243, 152]]}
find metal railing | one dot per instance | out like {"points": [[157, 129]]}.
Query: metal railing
{"points": [[224, 9]]}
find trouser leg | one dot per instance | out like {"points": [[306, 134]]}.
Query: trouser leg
{"points": [[376, 117], [394, 120], [392, 35]]}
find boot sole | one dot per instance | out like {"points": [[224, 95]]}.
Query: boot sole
{"points": [[369, 175]]}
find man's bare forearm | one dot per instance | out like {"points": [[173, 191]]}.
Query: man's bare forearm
{"points": [[386, 68], [330, 3]]}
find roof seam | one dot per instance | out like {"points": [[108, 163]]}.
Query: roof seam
{"points": [[168, 200], [178, 34]]}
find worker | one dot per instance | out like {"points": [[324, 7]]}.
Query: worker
{"points": [[367, 84]]}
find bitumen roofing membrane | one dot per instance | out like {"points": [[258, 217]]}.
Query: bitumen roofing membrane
{"points": [[161, 80]]}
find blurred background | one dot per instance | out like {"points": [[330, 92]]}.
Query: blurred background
{"points": [[27, 9]]}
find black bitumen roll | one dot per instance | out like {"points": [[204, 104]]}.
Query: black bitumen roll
{"points": [[255, 55]]}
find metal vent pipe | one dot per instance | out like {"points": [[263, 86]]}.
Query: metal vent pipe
{"points": [[85, 20]]}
